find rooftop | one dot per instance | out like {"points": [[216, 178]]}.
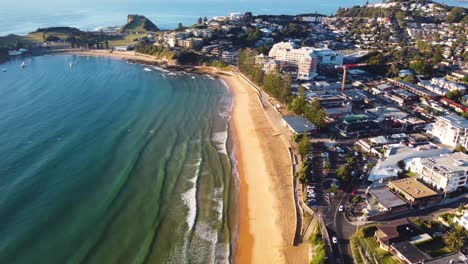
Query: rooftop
{"points": [[386, 198], [299, 124], [389, 167], [455, 120], [448, 163], [410, 252], [412, 187], [457, 258]]}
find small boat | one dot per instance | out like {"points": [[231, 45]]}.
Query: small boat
{"points": [[23, 64], [4, 70], [147, 69], [71, 64], [193, 77]]}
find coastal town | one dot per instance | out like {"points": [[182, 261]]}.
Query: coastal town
{"points": [[370, 103]]}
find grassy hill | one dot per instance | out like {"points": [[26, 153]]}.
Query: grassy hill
{"points": [[138, 23], [39, 36]]}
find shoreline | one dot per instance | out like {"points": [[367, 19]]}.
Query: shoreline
{"points": [[265, 231]]}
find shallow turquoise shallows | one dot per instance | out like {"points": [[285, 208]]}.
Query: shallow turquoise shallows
{"points": [[102, 161]]}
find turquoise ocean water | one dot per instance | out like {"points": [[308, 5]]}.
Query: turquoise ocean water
{"points": [[21, 17], [106, 162]]}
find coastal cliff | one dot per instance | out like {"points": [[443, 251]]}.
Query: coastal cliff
{"points": [[138, 23]]}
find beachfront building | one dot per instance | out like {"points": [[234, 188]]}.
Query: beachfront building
{"points": [[302, 58], [450, 130], [446, 173], [298, 124]]}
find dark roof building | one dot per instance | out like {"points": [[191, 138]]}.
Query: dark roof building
{"points": [[409, 253], [395, 232], [454, 258]]}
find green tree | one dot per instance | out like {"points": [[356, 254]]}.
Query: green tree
{"points": [[459, 148], [304, 146], [456, 15], [356, 199], [299, 103], [409, 78], [393, 71], [454, 96], [343, 172], [200, 21], [180, 27], [455, 239], [205, 19], [438, 54]]}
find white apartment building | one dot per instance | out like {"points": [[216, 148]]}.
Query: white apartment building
{"points": [[446, 172], [230, 56], [451, 130], [303, 58]]}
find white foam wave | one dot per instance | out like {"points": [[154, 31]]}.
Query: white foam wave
{"points": [[220, 140], [190, 197]]}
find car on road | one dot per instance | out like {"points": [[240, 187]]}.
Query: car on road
{"points": [[340, 209], [335, 240]]}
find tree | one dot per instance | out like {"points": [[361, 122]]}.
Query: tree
{"points": [[200, 21], [304, 146], [456, 15], [459, 148], [180, 27], [205, 19], [438, 54], [342, 172], [455, 239], [356, 199], [409, 78], [454, 96], [393, 71], [299, 104], [107, 44]]}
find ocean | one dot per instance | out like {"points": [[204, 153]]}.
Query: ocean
{"points": [[26, 16], [102, 161]]}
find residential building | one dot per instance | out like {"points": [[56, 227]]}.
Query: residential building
{"points": [[462, 220], [382, 200], [453, 258], [450, 130], [230, 56], [409, 253], [302, 58], [446, 173], [190, 43], [394, 232]]}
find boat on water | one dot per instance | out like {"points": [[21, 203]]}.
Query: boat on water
{"points": [[23, 64], [147, 69], [4, 70]]}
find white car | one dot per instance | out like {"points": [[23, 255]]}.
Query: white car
{"points": [[335, 240], [340, 208]]}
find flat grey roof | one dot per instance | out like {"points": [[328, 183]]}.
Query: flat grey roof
{"points": [[457, 257], [410, 252], [299, 124], [386, 198]]}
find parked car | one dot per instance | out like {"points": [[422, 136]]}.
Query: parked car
{"points": [[340, 209], [335, 240]]}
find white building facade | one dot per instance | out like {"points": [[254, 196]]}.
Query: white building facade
{"points": [[446, 172], [451, 130], [303, 58]]}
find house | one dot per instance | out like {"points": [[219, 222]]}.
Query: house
{"points": [[395, 232], [409, 253], [298, 124]]}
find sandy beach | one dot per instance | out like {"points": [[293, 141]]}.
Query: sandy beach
{"points": [[267, 219], [267, 215]]}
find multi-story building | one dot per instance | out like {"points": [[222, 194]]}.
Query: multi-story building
{"points": [[329, 57], [450, 130], [302, 58], [462, 220], [446, 172], [230, 56]]}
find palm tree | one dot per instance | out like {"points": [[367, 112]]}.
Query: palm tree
{"points": [[455, 239]]}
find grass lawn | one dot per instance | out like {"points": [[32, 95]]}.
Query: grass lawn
{"points": [[124, 41], [381, 255], [6, 41], [435, 247]]}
